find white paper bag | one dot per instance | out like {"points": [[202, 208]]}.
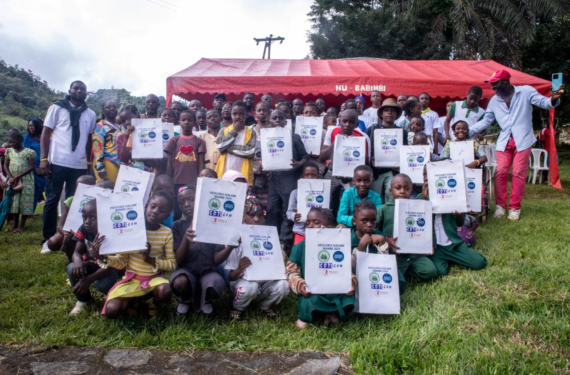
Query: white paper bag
{"points": [[474, 181], [312, 193], [462, 151], [120, 219], [147, 138], [378, 290], [167, 133], [387, 144], [446, 184], [83, 194], [413, 226], [276, 149], [261, 245], [349, 153], [412, 162], [328, 261], [218, 212], [289, 124], [310, 129], [134, 181], [177, 130]]}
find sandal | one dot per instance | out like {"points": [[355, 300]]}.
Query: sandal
{"points": [[301, 324], [236, 314], [270, 313]]}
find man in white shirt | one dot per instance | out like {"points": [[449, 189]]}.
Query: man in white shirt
{"points": [[430, 117], [376, 99], [65, 150], [511, 107]]}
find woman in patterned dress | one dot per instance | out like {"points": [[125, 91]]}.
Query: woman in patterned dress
{"points": [[19, 164]]}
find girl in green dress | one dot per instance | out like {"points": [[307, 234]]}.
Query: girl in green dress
{"points": [[19, 164], [336, 307]]}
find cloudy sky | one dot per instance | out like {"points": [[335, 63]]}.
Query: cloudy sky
{"points": [[137, 44]]}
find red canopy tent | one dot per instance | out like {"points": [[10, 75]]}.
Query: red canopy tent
{"points": [[337, 80]]}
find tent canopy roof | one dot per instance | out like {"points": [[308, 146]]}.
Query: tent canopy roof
{"points": [[450, 79]]}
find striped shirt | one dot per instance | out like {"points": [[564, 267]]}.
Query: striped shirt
{"points": [[160, 247]]}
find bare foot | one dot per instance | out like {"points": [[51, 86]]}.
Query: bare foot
{"points": [[301, 324]]}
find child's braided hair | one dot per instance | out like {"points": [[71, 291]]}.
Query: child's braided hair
{"points": [[253, 205], [329, 216]]}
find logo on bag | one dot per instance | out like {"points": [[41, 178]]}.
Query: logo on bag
{"points": [[421, 222], [214, 204], [255, 245], [116, 217], [451, 183], [384, 142], [313, 132], [132, 215], [393, 142], [280, 144], [324, 256], [83, 204], [410, 221], [309, 199], [125, 188], [165, 136], [387, 278], [320, 199], [152, 135], [268, 245], [411, 159], [135, 188], [229, 206], [346, 153], [270, 144], [338, 256], [374, 278], [471, 185], [305, 131], [420, 159], [142, 135], [356, 154], [440, 183]]}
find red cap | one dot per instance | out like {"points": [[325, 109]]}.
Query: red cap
{"points": [[498, 75]]}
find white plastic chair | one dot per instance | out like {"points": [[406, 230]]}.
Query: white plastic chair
{"points": [[537, 165]]}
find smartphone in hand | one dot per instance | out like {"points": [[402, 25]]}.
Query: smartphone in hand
{"points": [[556, 81]]}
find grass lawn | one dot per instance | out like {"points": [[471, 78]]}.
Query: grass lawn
{"points": [[511, 318]]}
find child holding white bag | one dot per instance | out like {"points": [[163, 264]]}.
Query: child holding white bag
{"points": [[266, 293]]}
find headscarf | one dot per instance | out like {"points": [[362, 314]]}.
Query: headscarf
{"points": [[361, 98]]}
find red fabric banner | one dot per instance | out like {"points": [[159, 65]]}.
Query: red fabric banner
{"points": [[553, 171]]}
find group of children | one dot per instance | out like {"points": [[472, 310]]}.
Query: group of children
{"points": [[199, 273]]}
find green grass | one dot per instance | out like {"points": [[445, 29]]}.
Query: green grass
{"points": [[511, 318]]}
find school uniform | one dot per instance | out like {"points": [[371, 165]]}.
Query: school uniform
{"points": [[449, 247], [460, 112], [326, 303], [266, 293], [410, 265], [199, 267], [355, 241]]}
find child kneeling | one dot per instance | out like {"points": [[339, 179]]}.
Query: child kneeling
{"points": [[266, 293], [143, 269], [84, 269], [335, 306]]}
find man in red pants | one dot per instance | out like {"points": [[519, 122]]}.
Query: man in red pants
{"points": [[511, 107]]}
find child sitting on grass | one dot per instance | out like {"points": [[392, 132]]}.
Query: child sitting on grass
{"points": [[266, 293], [84, 269], [196, 280], [461, 132], [410, 265], [310, 171], [364, 234], [362, 180], [144, 269], [335, 306], [62, 240], [448, 245]]}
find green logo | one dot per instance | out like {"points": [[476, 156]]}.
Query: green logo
{"points": [[125, 188], [305, 131], [270, 144], [410, 159], [440, 183], [142, 135], [309, 199], [255, 245], [374, 278], [384, 142], [346, 153], [324, 256], [410, 221], [116, 217], [214, 204]]}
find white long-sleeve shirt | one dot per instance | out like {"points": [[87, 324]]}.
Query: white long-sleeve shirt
{"points": [[515, 120]]}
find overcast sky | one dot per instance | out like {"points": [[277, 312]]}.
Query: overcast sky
{"points": [[137, 44]]}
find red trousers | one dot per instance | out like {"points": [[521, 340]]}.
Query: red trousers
{"points": [[519, 161]]}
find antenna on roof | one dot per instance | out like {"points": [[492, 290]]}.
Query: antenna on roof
{"points": [[268, 41]]}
